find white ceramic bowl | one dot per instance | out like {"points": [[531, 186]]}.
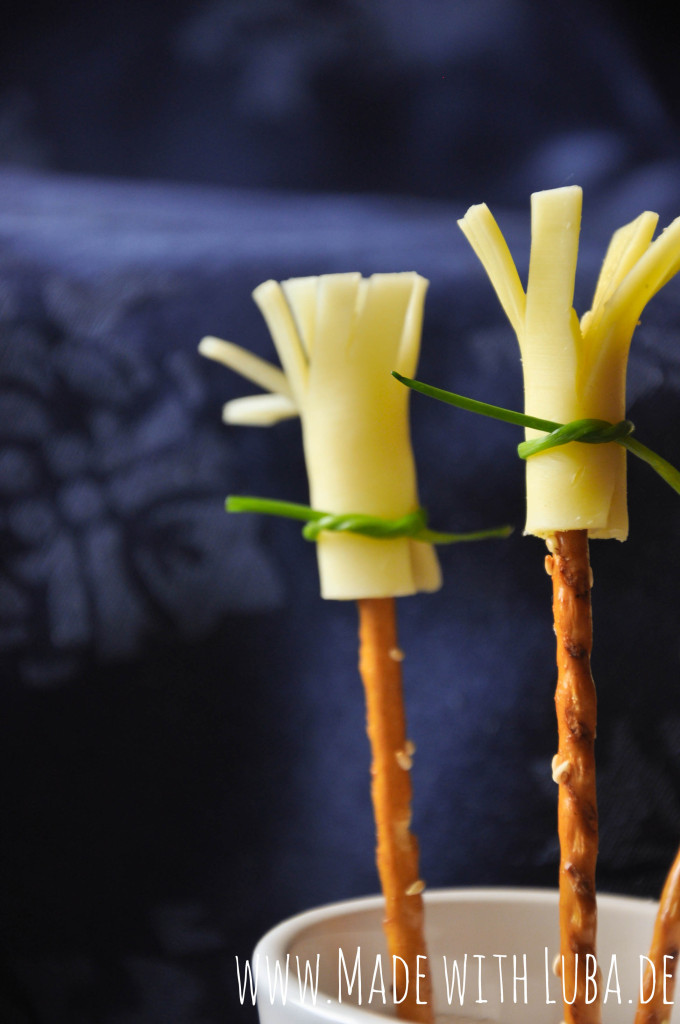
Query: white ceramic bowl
{"points": [[492, 934]]}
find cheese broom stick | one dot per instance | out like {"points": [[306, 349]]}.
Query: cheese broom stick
{"points": [[658, 984], [551, 365], [337, 337], [575, 371], [545, 328]]}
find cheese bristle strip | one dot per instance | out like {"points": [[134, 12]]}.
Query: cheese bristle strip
{"points": [[575, 370], [391, 792], [658, 984], [338, 336]]}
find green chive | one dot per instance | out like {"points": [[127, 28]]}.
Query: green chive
{"points": [[586, 431], [413, 525]]}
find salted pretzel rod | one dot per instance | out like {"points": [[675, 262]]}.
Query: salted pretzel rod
{"points": [[574, 770], [397, 848], [658, 984]]}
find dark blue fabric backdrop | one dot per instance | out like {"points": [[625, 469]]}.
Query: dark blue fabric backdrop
{"points": [[183, 752]]}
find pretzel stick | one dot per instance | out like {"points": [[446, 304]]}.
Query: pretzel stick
{"points": [[657, 992], [397, 847], [574, 771]]}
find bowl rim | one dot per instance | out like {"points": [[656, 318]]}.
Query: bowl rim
{"points": [[465, 894], [277, 941]]}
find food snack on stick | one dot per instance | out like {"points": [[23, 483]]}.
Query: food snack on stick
{"points": [[337, 337], [575, 371]]}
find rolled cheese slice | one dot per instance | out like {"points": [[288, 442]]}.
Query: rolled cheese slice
{"points": [[338, 336], [576, 486], [575, 370]]}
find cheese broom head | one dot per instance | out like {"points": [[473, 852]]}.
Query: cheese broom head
{"points": [[338, 336], [575, 369]]}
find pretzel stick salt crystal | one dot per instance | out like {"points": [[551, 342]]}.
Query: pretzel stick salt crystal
{"points": [[574, 763], [397, 847], [575, 370], [338, 337], [659, 980]]}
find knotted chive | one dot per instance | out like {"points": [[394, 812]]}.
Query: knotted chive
{"points": [[413, 525], [589, 431], [585, 431]]}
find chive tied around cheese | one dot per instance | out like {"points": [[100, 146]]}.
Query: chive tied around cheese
{"points": [[553, 434]]}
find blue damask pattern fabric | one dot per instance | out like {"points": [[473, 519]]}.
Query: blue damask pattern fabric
{"points": [[182, 745], [108, 471]]}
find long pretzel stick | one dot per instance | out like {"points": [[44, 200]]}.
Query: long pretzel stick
{"points": [[397, 848], [574, 771], [658, 984]]}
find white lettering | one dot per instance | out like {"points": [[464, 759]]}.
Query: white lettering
{"points": [[667, 977], [394, 978], [279, 980], [570, 1002], [613, 971], [519, 977], [651, 973], [480, 957], [591, 978], [248, 980], [548, 974], [380, 988], [455, 980], [309, 978], [500, 957], [356, 974], [419, 975]]}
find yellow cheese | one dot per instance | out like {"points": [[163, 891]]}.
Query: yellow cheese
{"points": [[338, 336], [575, 370]]}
